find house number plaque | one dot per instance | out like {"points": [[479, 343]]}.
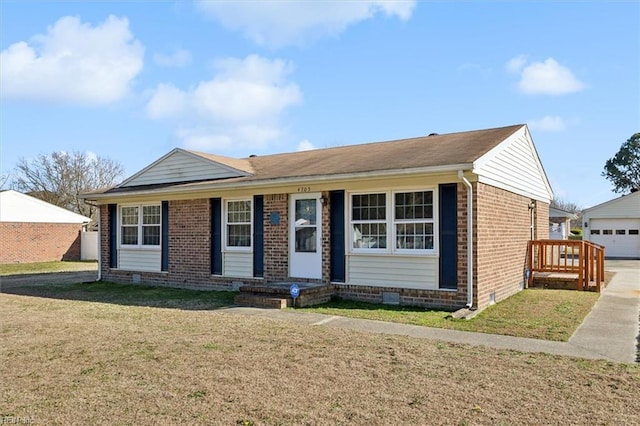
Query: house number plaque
{"points": [[304, 189]]}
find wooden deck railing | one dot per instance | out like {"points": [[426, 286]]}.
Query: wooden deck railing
{"points": [[566, 256]]}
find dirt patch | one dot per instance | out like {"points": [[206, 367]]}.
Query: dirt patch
{"points": [[78, 362]]}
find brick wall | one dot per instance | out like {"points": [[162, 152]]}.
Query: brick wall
{"points": [[276, 243], [503, 228], [39, 242]]}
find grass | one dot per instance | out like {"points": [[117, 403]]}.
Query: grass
{"points": [[132, 294], [533, 313], [47, 267], [91, 354]]}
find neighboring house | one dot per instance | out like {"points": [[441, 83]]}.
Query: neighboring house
{"points": [[434, 221], [615, 224], [32, 230], [560, 223]]}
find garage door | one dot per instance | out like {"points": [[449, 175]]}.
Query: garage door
{"points": [[621, 237]]}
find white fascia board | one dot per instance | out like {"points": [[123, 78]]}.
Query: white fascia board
{"points": [[204, 186]]}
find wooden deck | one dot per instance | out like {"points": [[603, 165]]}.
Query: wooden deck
{"points": [[566, 264]]}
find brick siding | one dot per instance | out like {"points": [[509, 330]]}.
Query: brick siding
{"points": [[503, 228], [39, 242]]}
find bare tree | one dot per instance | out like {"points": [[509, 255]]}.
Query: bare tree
{"points": [[61, 177], [569, 206]]}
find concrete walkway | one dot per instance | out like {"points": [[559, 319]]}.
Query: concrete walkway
{"points": [[610, 331]]}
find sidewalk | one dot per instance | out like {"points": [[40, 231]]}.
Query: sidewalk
{"points": [[609, 332]]}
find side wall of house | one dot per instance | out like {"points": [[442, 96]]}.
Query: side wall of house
{"points": [[39, 242], [503, 229]]}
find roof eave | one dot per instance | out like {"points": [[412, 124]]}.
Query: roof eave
{"points": [[281, 181]]}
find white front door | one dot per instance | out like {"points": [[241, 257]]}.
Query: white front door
{"points": [[305, 236]]}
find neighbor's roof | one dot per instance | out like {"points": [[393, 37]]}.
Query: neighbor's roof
{"points": [[18, 207]]}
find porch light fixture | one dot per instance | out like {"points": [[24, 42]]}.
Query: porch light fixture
{"points": [[323, 200], [532, 204]]}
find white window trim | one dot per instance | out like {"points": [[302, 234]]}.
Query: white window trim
{"points": [[139, 225], [227, 248], [433, 221], [391, 224]]}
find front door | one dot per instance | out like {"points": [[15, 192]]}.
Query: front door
{"points": [[305, 236]]}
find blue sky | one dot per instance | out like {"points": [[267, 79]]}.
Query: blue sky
{"points": [[133, 80]]}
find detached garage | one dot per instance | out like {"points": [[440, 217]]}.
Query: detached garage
{"points": [[615, 224]]}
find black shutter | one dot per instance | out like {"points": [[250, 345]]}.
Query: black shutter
{"points": [[164, 235], [258, 236], [336, 204], [448, 235], [216, 236], [113, 235]]}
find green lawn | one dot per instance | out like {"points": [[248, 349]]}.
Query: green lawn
{"points": [[533, 313], [44, 267]]}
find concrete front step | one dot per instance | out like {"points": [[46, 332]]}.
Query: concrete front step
{"points": [[260, 301], [277, 295]]}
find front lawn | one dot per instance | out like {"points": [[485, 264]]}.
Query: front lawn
{"points": [[70, 358], [47, 267], [533, 313]]}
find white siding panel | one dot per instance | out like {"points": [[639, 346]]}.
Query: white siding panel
{"points": [[516, 168], [238, 265], [139, 260], [180, 167], [393, 271], [627, 206]]}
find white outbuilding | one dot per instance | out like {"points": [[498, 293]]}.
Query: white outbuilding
{"points": [[615, 224]]}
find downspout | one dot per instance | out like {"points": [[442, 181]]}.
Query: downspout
{"points": [[99, 239], [470, 259]]}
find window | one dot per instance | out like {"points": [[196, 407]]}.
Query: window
{"points": [[595, 232], [633, 231], [408, 221], [368, 221], [238, 224], [621, 232], [413, 220], [150, 225], [607, 232], [129, 228], [140, 224]]}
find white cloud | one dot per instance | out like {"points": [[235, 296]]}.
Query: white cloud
{"points": [[286, 22], [516, 64], [546, 78], [178, 59], [548, 123], [73, 62], [239, 107], [305, 145]]}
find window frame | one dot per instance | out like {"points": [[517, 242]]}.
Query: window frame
{"points": [[140, 225], [351, 223], [391, 222], [225, 228], [432, 221]]}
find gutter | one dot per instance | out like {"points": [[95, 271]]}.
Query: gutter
{"points": [[99, 239], [470, 258], [184, 188]]}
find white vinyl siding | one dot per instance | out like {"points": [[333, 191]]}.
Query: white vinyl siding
{"points": [[143, 260], [515, 167], [393, 271], [181, 167], [238, 264]]}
